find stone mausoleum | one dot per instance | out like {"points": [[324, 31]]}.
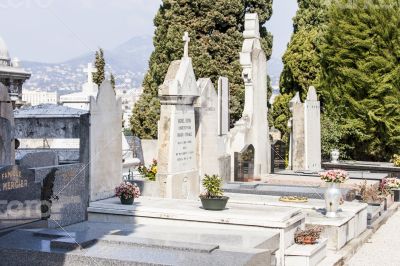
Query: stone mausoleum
{"points": [[12, 75]]}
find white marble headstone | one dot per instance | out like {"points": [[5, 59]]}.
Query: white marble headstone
{"points": [[312, 131], [178, 175]]}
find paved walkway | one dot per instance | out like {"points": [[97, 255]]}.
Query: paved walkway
{"points": [[383, 249]]}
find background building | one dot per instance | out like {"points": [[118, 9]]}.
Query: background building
{"points": [[34, 98], [12, 75]]}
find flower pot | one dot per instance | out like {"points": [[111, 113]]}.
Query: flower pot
{"points": [[396, 195], [216, 204], [332, 199], [126, 201]]}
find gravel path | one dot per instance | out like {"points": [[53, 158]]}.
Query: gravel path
{"points": [[383, 249]]}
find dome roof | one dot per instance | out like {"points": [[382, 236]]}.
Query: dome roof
{"points": [[4, 55]]}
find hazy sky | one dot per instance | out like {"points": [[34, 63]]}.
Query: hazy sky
{"points": [[58, 30]]}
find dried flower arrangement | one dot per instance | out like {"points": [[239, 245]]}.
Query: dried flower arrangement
{"points": [[372, 193], [308, 236]]}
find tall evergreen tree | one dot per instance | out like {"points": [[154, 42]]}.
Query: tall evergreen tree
{"points": [[301, 60], [99, 64], [215, 28], [360, 55]]}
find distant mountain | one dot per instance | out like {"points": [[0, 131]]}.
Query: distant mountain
{"points": [[128, 62]]}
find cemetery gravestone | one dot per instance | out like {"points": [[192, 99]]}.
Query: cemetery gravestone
{"points": [[105, 143], [210, 144], [312, 131], [178, 176], [297, 146], [252, 128], [305, 138], [19, 197], [65, 193]]}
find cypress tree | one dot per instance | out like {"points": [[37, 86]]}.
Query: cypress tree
{"points": [[360, 80], [99, 64], [301, 59], [215, 28]]}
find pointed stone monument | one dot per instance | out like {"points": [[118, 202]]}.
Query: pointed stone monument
{"points": [[305, 137], [251, 131], [178, 175], [210, 142], [7, 142], [105, 143]]}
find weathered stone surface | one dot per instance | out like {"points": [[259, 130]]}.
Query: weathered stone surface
{"points": [[312, 131], [65, 192], [39, 159], [223, 106], [7, 145], [305, 138], [178, 175], [306, 255], [210, 144], [298, 137], [20, 197], [105, 143]]}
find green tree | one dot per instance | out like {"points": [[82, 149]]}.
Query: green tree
{"points": [[279, 115], [301, 59], [360, 78], [215, 28], [99, 64]]}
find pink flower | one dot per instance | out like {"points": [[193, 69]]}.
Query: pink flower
{"points": [[334, 176], [127, 190]]}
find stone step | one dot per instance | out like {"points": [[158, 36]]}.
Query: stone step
{"points": [[306, 255], [27, 247], [282, 220]]}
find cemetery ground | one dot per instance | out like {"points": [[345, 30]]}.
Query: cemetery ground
{"points": [[65, 204]]}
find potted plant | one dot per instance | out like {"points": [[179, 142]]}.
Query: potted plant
{"points": [[333, 195], [127, 192], [213, 198], [309, 236], [149, 172], [393, 184]]}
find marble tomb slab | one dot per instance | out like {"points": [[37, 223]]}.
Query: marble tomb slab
{"points": [[265, 216]]}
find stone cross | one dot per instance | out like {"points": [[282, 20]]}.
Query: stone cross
{"points": [[90, 70], [186, 39]]}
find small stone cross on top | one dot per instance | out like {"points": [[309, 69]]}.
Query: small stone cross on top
{"points": [[90, 70], [186, 39]]}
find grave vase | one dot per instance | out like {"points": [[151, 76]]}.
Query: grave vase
{"points": [[332, 199]]}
